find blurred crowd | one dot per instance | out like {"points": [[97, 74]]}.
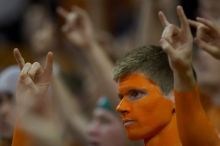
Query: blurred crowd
{"points": [[87, 37]]}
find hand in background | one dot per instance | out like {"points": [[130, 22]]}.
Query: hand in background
{"points": [[207, 36], [33, 82], [78, 27]]}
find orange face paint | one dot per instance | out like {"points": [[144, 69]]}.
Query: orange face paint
{"points": [[144, 110]]}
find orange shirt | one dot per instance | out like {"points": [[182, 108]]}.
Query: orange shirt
{"points": [[193, 124], [21, 138]]}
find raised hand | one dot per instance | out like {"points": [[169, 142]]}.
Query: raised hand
{"points": [[207, 36], [177, 41], [78, 27], [33, 81], [36, 113]]}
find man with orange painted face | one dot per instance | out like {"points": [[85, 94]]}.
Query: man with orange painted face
{"points": [[144, 82], [146, 78]]}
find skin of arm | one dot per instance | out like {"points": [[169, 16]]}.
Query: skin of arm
{"points": [[193, 125], [102, 67], [70, 108]]}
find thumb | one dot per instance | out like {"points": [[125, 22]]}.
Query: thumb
{"points": [[49, 64]]}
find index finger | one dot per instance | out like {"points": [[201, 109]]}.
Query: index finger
{"points": [[182, 17], [206, 22], [194, 23], [62, 12], [163, 19], [18, 57]]}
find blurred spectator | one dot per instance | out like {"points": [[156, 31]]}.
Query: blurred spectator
{"points": [[11, 18], [39, 30], [205, 65], [11, 12], [209, 10], [106, 129], [207, 40], [95, 63], [8, 79]]}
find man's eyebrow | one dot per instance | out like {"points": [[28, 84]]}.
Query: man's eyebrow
{"points": [[131, 88], [128, 90]]}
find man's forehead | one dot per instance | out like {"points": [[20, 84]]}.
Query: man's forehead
{"points": [[134, 80], [132, 75]]}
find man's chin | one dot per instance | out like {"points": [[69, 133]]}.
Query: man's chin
{"points": [[134, 137], [6, 135]]}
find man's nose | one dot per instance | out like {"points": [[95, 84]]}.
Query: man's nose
{"points": [[124, 106], [4, 109], [93, 128]]}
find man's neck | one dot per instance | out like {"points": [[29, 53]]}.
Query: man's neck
{"points": [[168, 136], [5, 141]]}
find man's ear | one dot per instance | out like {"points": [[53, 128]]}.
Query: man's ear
{"points": [[170, 96], [171, 100]]}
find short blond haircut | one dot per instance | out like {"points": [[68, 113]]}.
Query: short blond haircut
{"points": [[150, 60]]}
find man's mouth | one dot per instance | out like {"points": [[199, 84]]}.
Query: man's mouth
{"points": [[93, 143], [128, 122]]}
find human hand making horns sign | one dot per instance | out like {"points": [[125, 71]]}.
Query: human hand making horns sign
{"points": [[207, 36], [177, 42], [78, 27], [33, 81]]}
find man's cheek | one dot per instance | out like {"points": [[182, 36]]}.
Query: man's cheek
{"points": [[144, 105]]}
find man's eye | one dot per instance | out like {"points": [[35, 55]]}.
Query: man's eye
{"points": [[1, 101], [135, 94], [120, 97], [104, 120]]}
